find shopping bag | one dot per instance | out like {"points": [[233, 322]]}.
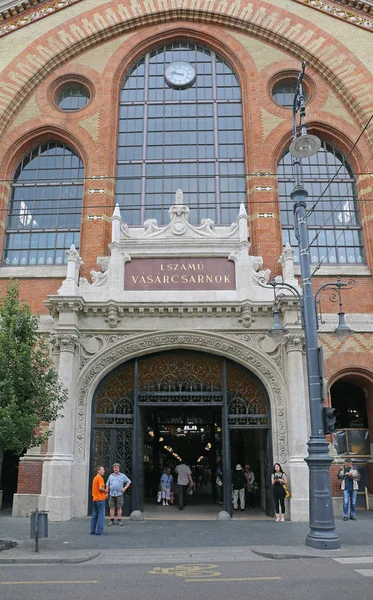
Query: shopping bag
{"points": [[159, 496]]}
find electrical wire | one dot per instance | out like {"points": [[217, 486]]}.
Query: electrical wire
{"points": [[97, 178], [342, 165]]}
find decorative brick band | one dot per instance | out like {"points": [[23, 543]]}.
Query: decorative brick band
{"points": [[12, 20], [338, 66]]}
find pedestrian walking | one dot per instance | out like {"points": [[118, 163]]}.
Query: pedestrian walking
{"points": [[278, 480], [99, 495], [219, 484], [250, 483], [116, 484], [349, 486], [184, 480], [166, 484], [238, 486]]}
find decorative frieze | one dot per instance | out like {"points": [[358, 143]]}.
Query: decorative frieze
{"points": [[357, 17]]}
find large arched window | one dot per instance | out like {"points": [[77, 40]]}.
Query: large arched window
{"points": [[180, 126], [45, 206], [335, 220]]}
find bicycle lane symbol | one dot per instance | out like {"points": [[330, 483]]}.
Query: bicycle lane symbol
{"points": [[193, 571]]}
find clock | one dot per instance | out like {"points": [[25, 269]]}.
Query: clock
{"points": [[180, 75]]}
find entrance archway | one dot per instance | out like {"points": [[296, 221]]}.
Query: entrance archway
{"points": [[188, 393]]}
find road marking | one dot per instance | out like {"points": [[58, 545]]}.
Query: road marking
{"points": [[218, 579], [352, 560], [44, 582], [188, 570], [365, 572]]}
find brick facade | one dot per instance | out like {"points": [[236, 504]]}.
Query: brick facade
{"points": [[261, 41]]}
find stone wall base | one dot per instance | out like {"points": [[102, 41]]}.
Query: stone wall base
{"points": [[24, 504]]}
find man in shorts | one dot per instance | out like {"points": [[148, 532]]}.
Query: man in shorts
{"points": [[116, 484]]}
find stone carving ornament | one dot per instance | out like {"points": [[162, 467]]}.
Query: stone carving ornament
{"points": [[294, 343], [64, 342], [134, 346]]}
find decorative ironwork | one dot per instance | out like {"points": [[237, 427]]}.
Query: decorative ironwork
{"points": [[113, 420], [246, 400], [186, 373]]}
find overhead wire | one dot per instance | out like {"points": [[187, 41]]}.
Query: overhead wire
{"points": [[342, 165]]}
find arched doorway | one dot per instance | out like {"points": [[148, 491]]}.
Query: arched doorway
{"points": [[150, 412], [351, 437]]}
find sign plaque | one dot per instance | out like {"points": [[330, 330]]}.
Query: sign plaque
{"points": [[198, 273]]}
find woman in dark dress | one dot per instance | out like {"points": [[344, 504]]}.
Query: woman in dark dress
{"points": [[278, 480]]}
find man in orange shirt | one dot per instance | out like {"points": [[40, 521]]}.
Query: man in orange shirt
{"points": [[99, 495]]}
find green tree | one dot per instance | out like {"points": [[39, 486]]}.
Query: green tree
{"points": [[30, 390]]}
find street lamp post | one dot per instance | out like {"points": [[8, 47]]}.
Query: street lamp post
{"points": [[322, 534]]}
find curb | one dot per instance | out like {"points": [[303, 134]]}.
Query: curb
{"points": [[284, 556], [47, 561], [278, 556]]}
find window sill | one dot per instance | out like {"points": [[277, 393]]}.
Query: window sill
{"points": [[33, 272], [342, 270]]}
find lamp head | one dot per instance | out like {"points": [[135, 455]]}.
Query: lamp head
{"points": [[277, 331], [343, 329], [305, 146]]}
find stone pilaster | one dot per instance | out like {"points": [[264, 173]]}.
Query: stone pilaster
{"points": [[297, 429], [57, 493]]}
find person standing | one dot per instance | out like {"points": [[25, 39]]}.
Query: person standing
{"points": [[238, 485], [99, 495], [166, 484], [349, 487], [250, 479], [219, 484], [117, 484], [184, 480], [278, 480]]}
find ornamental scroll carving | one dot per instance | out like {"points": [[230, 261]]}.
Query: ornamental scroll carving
{"points": [[133, 346]]}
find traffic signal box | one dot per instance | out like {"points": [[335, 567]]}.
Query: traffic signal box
{"points": [[330, 418]]}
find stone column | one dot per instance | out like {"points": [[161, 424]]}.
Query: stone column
{"points": [[57, 491], [297, 429]]}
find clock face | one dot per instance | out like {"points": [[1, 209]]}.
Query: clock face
{"points": [[180, 75]]}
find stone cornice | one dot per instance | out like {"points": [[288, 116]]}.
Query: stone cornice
{"points": [[113, 311]]}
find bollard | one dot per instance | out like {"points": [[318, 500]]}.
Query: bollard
{"points": [[38, 526]]}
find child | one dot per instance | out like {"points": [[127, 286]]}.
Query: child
{"points": [[166, 483]]}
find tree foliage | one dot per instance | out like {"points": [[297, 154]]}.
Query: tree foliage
{"points": [[30, 390]]}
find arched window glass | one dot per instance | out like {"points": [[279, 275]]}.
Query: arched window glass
{"points": [[336, 219], [45, 206], [180, 126]]}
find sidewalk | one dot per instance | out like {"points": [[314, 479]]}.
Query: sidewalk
{"points": [[154, 541]]}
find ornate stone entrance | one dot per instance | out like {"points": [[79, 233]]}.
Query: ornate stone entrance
{"points": [[178, 380]]}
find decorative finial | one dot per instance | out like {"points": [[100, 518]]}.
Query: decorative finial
{"points": [[179, 197]]}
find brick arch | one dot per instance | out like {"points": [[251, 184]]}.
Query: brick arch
{"points": [[359, 366], [19, 141], [281, 28], [146, 40], [341, 134], [360, 373]]}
